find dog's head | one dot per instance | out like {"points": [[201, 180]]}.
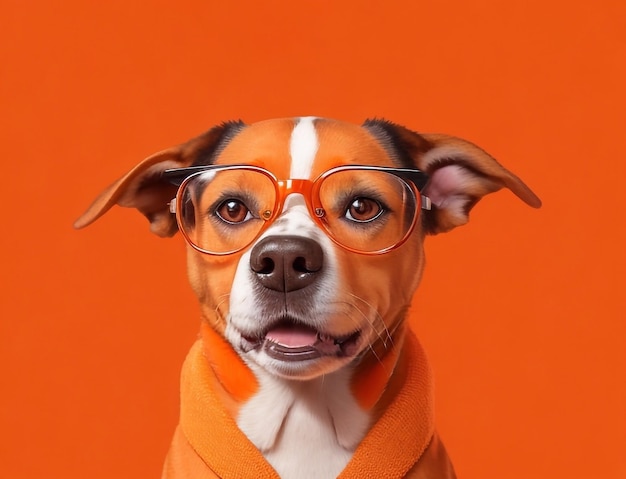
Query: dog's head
{"points": [[305, 235]]}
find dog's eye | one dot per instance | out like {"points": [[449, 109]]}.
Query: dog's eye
{"points": [[233, 211], [363, 210]]}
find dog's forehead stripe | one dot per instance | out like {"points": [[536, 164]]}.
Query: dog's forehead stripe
{"points": [[303, 148]]}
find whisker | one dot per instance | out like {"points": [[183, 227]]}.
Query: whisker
{"points": [[364, 316], [377, 323], [221, 300], [370, 345], [373, 351], [378, 319]]}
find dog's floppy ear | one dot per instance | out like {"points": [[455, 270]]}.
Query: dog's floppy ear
{"points": [[460, 173], [144, 188]]}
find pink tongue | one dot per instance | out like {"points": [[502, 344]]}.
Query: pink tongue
{"points": [[294, 336]]}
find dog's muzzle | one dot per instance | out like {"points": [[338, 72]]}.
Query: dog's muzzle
{"points": [[288, 265]]}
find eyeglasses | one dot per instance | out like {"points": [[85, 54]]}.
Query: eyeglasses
{"points": [[222, 209]]}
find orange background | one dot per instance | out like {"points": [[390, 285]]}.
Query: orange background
{"points": [[522, 311]]}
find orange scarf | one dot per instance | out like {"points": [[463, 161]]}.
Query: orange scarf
{"points": [[402, 443]]}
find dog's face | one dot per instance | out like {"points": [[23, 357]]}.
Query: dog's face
{"points": [[295, 302], [300, 298]]}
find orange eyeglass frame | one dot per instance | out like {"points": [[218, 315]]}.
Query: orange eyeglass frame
{"points": [[415, 179]]}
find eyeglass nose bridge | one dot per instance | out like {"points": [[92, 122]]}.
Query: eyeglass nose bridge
{"points": [[302, 187]]}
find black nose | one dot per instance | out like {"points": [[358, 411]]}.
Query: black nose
{"points": [[286, 263]]}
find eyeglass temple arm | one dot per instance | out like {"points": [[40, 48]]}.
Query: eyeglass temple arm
{"points": [[172, 206], [176, 176]]}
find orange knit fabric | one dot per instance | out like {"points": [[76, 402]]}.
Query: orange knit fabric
{"points": [[402, 443]]}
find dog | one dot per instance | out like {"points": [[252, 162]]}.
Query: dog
{"points": [[305, 246]]}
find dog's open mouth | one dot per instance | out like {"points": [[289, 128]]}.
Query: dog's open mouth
{"points": [[289, 341]]}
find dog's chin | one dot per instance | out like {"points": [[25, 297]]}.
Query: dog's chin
{"points": [[295, 351]]}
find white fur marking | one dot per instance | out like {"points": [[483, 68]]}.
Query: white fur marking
{"points": [[306, 429], [303, 148], [320, 426]]}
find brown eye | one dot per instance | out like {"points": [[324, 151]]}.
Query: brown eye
{"points": [[233, 212], [363, 210]]}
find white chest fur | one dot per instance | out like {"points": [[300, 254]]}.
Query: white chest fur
{"points": [[305, 429]]}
